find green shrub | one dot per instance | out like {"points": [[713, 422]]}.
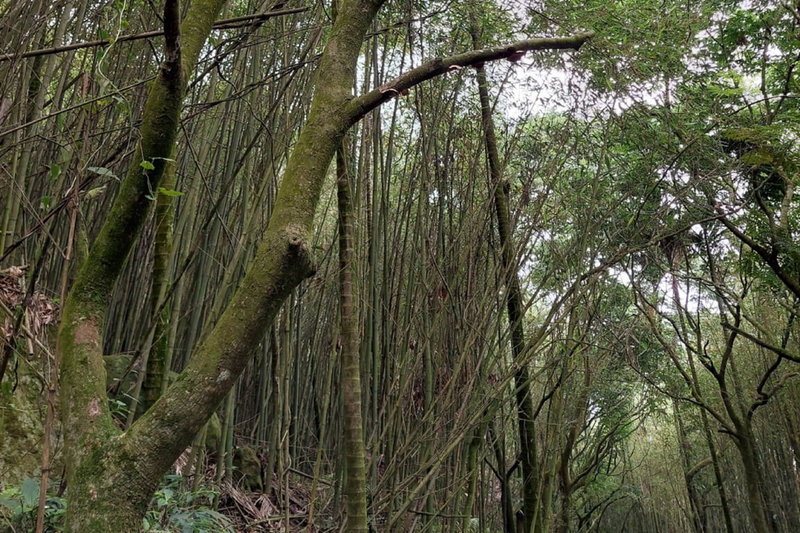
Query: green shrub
{"points": [[175, 510], [18, 508]]}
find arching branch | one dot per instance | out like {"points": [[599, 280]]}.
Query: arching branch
{"points": [[362, 105]]}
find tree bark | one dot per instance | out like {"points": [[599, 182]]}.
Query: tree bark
{"points": [[94, 451], [756, 501], [696, 509], [157, 372], [112, 476]]}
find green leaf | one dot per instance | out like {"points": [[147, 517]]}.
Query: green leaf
{"points": [[30, 492], [10, 504], [147, 165], [94, 193], [103, 171], [55, 170], [169, 192]]}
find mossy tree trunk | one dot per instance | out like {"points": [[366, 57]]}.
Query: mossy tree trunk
{"points": [[762, 519], [112, 476], [156, 370], [106, 493]]}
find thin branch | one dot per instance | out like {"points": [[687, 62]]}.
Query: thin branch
{"points": [[698, 467], [362, 105], [235, 22], [75, 106], [768, 255], [786, 354]]}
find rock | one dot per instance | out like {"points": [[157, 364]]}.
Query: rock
{"points": [[248, 468], [22, 417]]}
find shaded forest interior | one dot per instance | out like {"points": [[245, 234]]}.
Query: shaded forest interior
{"points": [[366, 265]]}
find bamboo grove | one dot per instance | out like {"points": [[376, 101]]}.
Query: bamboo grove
{"points": [[371, 265]]}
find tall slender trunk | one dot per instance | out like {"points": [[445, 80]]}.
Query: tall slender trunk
{"points": [[577, 417], [522, 386], [720, 482], [355, 492], [754, 484], [695, 505], [474, 444], [726, 513], [156, 373], [509, 523]]}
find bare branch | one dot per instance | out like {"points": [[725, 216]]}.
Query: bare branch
{"points": [[777, 350], [235, 22], [769, 256], [362, 105]]}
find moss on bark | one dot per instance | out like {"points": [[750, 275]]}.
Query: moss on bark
{"points": [[125, 468], [282, 260], [106, 491]]}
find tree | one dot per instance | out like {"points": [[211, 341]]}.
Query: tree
{"points": [[112, 474]]}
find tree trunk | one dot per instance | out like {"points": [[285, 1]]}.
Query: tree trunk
{"points": [[695, 505], [524, 400], [509, 523], [157, 372], [112, 475], [759, 513], [355, 492]]}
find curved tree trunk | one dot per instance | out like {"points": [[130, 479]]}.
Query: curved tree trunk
{"points": [[112, 476], [94, 453]]}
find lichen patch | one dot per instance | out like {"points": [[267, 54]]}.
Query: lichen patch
{"points": [[87, 332], [94, 408]]}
